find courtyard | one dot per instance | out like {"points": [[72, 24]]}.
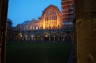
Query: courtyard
{"points": [[38, 51]]}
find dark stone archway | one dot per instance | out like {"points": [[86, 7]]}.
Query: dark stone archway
{"points": [[3, 16]]}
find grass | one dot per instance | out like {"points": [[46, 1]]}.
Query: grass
{"points": [[37, 52]]}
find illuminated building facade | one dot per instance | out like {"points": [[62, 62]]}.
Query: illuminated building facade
{"points": [[44, 28], [51, 18], [68, 13], [68, 10], [52, 25]]}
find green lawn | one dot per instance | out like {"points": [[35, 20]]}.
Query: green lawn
{"points": [[37, 52]]}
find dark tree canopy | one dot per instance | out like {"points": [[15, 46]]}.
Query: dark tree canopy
{"points": [[9, 22]]}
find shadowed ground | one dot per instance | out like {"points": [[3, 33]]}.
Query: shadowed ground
{"points": [[37, 52]]}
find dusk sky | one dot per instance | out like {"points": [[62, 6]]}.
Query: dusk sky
{"points": [[23, 10]]}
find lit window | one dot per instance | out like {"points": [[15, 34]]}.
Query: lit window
{"points": [[20, 34], [30, 27], [36, 28], [33, 28], [32, 35], [46, 35]]}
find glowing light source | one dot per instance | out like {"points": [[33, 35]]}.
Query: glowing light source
{"points": [[46, 35]]}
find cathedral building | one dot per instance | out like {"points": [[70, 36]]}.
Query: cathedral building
{"points": [[53, 24], [50, 19]]}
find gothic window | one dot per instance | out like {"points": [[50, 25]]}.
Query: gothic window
{"points": [[51, 15]]}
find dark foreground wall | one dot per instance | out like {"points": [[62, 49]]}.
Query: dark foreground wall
{"points": [[86, 31], [3, 16]]}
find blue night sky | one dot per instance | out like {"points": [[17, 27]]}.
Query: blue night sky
{"points": [[23, 10]]}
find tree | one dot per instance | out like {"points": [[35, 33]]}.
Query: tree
{"points": [[9, 23], [10, 30]]}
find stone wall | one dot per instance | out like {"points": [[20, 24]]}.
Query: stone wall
{"points": [[86, 40], [86, 31]]}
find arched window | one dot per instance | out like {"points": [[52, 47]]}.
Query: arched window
{"points": [[51, 18]]}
